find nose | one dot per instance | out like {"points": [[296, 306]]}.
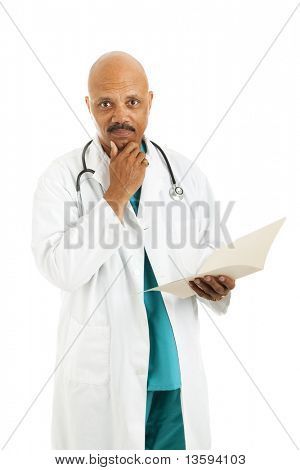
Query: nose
{"points": [[120, 113]]}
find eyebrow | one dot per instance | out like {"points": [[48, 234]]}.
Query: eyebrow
{"points": [[107, 98]]}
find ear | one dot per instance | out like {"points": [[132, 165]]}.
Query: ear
{"points": [[150, 95], [87, 101]]}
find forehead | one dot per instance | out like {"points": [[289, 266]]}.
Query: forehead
{"points": [[120, 81], [121, 88]]}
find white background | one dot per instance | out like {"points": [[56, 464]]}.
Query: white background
{"points": [[198, 55]]}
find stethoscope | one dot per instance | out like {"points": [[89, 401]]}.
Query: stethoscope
{"points": [[175, 191]]}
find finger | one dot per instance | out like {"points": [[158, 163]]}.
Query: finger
{"points": [[113, 150], [207, 289], [199, 291], [227, 281], [133, 154], [130, 147], [145, 162], [140, 157], [213, 282]]}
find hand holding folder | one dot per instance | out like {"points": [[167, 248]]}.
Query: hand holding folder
{"points": [[243, 257]]}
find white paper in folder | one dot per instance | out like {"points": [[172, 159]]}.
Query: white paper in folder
{"points": [[245, 256]]}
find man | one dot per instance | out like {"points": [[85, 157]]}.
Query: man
{"points": [[129, 369]]}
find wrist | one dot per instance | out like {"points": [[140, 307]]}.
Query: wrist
{"points": [[118, 197], [116, 201]]}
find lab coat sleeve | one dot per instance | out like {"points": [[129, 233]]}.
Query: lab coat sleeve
{"points": [[213, 236], [69, 249]]}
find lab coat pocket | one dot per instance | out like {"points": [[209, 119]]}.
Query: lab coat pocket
{"points": [[87, 353]]}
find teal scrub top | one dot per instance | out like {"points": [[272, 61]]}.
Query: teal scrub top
{"points": [[164, 370]]}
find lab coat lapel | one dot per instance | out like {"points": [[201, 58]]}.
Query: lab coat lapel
{"points": [[151, 217], [151, 187], [98, 160]]}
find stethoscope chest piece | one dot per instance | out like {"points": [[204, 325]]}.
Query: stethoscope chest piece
{"points": [[176, 192]]}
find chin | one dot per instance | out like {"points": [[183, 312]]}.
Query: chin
{"points": [[121, 143]]}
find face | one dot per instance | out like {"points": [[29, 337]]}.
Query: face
{"points": [[119, 108]]}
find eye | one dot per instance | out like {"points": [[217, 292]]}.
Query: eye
{"points": [[133, 101], [104, 103]]}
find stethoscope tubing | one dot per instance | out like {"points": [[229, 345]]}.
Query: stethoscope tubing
{"points": [[175, 191]]}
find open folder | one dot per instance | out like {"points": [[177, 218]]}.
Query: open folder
{"points": [[244, 256]]}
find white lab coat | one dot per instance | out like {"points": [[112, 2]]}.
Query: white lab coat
{"points": [[100, 386]]}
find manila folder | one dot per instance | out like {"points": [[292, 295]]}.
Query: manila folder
{"points": [[244, 256]]}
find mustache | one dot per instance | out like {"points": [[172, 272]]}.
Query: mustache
{"points": [[117, 126]]}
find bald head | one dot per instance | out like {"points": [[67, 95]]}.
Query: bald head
{"points": [[115, 67], [119, 98]]}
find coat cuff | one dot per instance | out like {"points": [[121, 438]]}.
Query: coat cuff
{"points": [[219, 307]]}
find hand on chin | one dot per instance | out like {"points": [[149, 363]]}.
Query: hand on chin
{"points": [[121, 143]]}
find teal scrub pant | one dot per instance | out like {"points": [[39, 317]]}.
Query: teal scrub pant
{"points": [[164, 423]]}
